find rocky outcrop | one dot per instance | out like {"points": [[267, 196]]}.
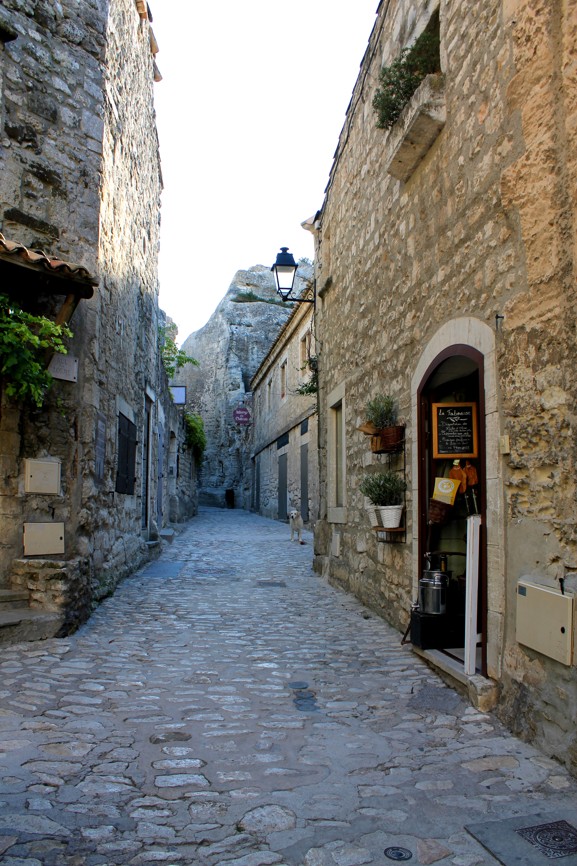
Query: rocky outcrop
{"points": [[230, 348]]}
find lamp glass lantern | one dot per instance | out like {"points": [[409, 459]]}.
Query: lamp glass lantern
{"points": [[284, 270]]}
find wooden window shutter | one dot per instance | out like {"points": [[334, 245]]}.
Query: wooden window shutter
{"points": [[126, 469]]}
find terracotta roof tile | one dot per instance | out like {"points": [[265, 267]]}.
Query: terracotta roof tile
{"points": [[41, 261]]}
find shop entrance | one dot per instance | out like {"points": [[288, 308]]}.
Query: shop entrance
{"points": [[451, 616]]}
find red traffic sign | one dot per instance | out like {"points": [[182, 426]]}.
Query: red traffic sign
{"points": [[241, 415]]}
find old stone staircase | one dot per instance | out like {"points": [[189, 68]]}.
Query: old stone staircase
{"points": [[19, 622]]}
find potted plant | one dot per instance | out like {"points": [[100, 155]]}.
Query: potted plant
{"points": [[381, 425], [386, 491], [398, 82]]}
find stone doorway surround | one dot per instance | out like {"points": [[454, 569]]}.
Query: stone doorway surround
{"points": [[471, 332]]}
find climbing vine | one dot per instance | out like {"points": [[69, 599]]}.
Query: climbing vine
{"points": [[311, 386], [26, 344], [195, 435], [173, 358]]}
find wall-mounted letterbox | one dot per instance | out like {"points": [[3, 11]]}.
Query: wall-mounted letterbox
{"points": [[546, 620], [42, 476], [43, 539]]}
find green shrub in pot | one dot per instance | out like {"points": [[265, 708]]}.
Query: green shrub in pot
{"points": [[384, 488], [381, 411]]}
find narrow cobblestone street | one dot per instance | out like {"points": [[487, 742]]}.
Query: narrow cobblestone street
{"points": [[228, 706]]}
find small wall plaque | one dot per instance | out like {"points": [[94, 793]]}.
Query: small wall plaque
{"points": [[64, 367]]}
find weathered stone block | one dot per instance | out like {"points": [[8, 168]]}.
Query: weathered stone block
{"points": [[417, 128]]}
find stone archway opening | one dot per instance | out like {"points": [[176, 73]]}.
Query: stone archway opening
{"points": [[451, 503], [461, 337]]}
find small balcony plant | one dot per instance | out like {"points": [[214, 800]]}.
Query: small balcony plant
{"points": [[381, 411], [386, 493], [381, 425], [399, 81]]}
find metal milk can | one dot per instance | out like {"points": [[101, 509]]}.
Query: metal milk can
{"points": [[433, 592]]}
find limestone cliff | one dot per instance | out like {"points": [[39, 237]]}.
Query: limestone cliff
{"points": [[230, 348]]}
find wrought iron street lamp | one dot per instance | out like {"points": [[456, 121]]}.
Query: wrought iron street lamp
{"points": [[284, 270]]}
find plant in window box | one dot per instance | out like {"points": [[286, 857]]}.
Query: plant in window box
{"points": [[381, 425], [399, 81], [386, 492]]}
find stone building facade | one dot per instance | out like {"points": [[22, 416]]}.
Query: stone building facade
{"points": [[285, 442], [446, 269], [80, 180]]}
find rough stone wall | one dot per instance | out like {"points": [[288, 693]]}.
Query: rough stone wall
{"points": [[123, 362], [229, 350], [266, 499], [178, 473], [538, 358], [79, 117], [396, 260], [484, 226], [11, 518], [56, 585], [281, 411], [51, 107]]}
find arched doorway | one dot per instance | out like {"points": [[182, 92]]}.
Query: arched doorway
{"points": [[451, 522]]}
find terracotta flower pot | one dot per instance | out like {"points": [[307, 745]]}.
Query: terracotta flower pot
{"points": [[388, 440]]}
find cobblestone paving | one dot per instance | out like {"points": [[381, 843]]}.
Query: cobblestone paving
{"points": [[227, 706]]}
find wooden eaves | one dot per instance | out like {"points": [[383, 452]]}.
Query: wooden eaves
{"points": [[28, 273]]}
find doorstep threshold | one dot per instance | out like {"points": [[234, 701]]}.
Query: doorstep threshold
{"points": [[481, 691]]}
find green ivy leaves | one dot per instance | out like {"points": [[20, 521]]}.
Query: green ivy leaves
{"points": [[26, 343], [173, 358], [195, 435]]}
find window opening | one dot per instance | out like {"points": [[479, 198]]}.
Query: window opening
{"points": [[337, 413], [126, 467], [399, 80]]}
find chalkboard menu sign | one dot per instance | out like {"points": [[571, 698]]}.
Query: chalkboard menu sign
{"points": [[455, 430]]}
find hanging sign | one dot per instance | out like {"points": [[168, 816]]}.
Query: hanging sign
{"points": [[445, 490], [241, 415], [455, 430]]}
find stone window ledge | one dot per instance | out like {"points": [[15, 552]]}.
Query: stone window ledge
{"points": [[418, 126]]}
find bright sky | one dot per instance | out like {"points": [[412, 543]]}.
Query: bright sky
{"points": [[249, 112]]}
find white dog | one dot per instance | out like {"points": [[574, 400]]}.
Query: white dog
{"points": [[296, 525]]}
